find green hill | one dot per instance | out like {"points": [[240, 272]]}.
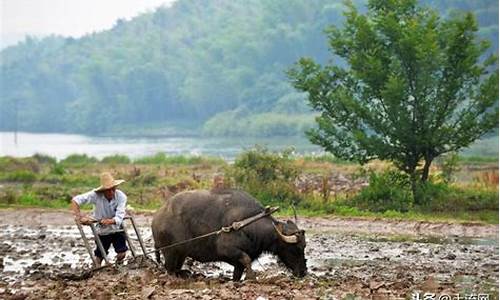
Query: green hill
{"points": [[199, 67]]}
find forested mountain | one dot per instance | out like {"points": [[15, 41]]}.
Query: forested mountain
{"points": [[215, 67]]}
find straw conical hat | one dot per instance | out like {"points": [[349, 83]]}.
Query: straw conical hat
{"points": [[107, 182]]}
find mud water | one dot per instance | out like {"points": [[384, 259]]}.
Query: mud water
{"points": [[347, 259]]}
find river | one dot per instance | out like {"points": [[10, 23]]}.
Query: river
{"points": [[62, 145]]}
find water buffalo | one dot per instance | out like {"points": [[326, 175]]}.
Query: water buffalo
{"points": [[195, 213]]}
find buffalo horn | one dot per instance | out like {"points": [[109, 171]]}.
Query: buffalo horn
{"points": [[291, 239]]}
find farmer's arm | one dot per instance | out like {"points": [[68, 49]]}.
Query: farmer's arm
{"points": [[79, 200], [75, 209]]}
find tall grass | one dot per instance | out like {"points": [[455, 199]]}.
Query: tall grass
{"points": [[487, 178]]}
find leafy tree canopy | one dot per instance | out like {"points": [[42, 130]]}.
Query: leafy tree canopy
{"points": [[412, 86]]}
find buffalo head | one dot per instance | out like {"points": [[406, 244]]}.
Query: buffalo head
{"points": [[290, 248]]}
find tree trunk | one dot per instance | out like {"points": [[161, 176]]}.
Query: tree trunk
{"points": [[413, 181], [425, 170]]}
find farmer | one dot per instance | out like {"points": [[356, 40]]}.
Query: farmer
{"points": [[109, 209]]}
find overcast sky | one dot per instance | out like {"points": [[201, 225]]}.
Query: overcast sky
{"points": [[65, 17]]}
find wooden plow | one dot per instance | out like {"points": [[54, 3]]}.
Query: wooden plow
{"points": [[98, 242]]}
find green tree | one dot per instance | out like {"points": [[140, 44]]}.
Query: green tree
{"points": [[411, 86]]}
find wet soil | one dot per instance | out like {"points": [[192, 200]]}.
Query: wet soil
{"points": [[42, 256]]}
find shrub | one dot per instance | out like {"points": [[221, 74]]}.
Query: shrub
{"points": [[266, 175], [57, 169], [388, 190], [446, 198]]}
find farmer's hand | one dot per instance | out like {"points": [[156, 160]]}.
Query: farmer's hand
{"points": [[107, 221], [86, 220]]}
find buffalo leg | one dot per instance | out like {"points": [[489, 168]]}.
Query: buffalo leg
{"points": [[240, 260], [238, 271], [247, 262], [180, 263], [174, 262], [169, 257]]}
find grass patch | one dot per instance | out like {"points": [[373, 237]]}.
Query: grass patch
{"points": [[116, 159], [79, 160], [326, 158], [477, 159], [482, 217], [163, 159], [77, 180], [11, 164], [31, 200], [388, 190], [24, 176]]}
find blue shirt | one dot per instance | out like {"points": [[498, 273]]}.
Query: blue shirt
{"points": [[105, 209]]}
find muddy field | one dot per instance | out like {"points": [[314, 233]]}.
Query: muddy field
{"points": [[43, 257]]}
